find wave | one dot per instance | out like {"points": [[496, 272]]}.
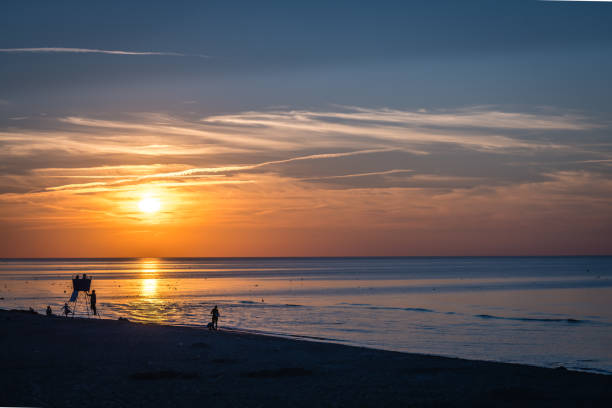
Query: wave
{"points": [[353, 304], [532, 319], [408, 309], [419, 309], [592, 370], [372, 307], [258, 304]]}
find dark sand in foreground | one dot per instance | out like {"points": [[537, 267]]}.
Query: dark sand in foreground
{"points": [[58, 362]]}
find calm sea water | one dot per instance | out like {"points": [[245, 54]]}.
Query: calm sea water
{"points": [[545, 311]]}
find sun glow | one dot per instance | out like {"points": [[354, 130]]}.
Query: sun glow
{"points": [[149, 205]]}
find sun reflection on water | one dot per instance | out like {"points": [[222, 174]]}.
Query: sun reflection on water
{"points": [[149, 308], [148, 285]]}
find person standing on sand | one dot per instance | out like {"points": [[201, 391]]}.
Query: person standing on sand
{"points": [[49, 311], [92, 302], [215, 316]]}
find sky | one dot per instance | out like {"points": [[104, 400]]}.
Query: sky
{"points": [[387, 128]]}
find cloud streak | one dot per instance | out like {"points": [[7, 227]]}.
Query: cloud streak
{"points": [[459, 118], [342, 146], [95, 51], [216, 170]]}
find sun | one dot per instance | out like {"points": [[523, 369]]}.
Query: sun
{"points": [[149, 205]]}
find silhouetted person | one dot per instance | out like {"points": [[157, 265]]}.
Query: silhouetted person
{"points": [[49, 311], [215, 316], [84, 276], [66, 309], [92, 302], [77, 277]]}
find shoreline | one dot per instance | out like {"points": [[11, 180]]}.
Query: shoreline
{"points": [[347, 343], [350, 344], [328, 340], [102, 362]]}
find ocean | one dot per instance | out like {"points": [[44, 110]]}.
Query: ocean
{"points": [[544, 311]]}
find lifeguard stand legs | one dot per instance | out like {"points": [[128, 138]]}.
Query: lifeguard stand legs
{"points": [[81, 301]]}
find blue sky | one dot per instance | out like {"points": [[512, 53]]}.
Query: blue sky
{"points": [[402, 54]]}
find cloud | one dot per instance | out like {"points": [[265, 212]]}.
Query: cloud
{"points": [[95, 51], [459, 118], [351, 128], [344, 147], [471, 127], [212, 170], [372, 173]]}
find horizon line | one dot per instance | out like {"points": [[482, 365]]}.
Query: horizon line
{"points": [[310, 257]]}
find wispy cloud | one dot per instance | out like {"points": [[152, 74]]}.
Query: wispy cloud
{"points": [[214, 170], [345, 147], [459, 118], [371, 173], [350, 128], [95, 51]]}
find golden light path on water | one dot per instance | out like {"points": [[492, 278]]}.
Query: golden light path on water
{"points": [[149, 287], [149, 307], [150, 270]]}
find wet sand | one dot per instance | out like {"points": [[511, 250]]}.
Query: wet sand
{"points": [[59, 362]]}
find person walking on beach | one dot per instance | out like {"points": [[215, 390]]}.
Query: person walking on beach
{"points": [[92, 302], [49, 311], [66, 309], [215, 316]]}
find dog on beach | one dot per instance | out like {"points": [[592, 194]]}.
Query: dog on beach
{"points": [[210, 326]]}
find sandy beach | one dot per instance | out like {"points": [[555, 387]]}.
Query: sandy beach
{"points": [[63, 362]]}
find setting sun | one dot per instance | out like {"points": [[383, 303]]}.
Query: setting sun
{"points": [[149, 205]]}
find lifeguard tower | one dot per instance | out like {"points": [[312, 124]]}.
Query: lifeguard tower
{"points": [[80, 292]]}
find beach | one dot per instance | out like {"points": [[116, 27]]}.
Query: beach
{"points": [[543, 311], [63, 362]]}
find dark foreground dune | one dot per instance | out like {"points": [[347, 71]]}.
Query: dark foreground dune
{"points": [[59, 362]]}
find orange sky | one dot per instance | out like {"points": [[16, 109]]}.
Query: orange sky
{"points": [[305, 128], [287, 183]]}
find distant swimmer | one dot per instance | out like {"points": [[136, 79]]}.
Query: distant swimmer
{"points": [[215, 316]]}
